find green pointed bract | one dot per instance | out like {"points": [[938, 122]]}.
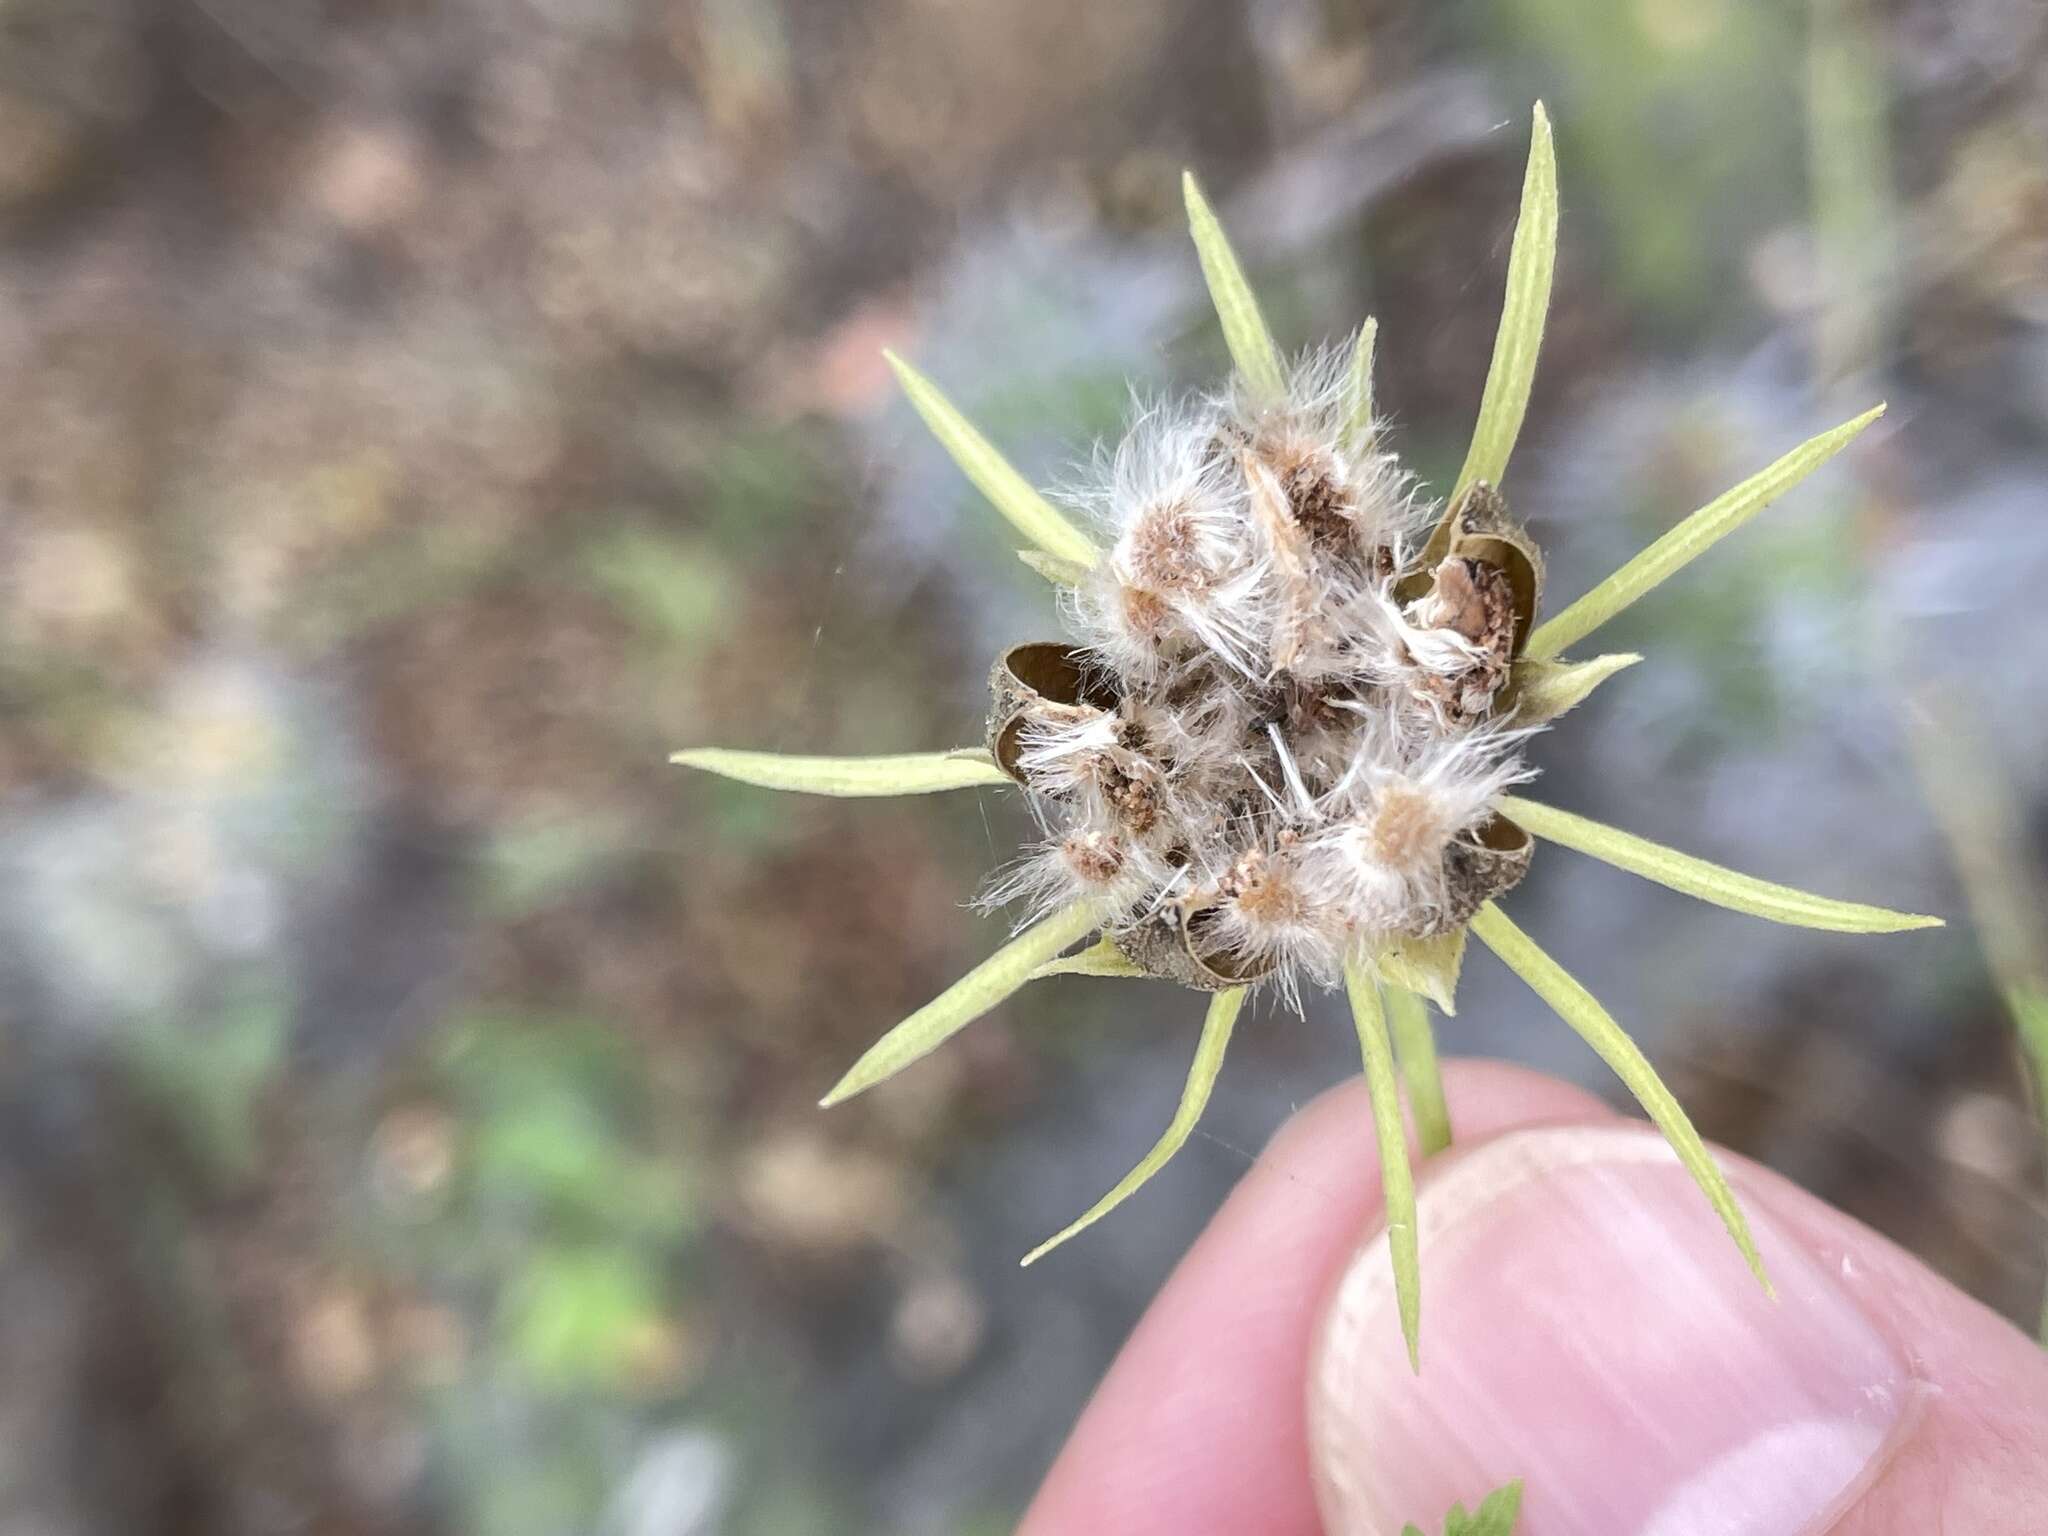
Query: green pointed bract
{"points": [[1008, 492], [913, 773], [1543, 690], [1428, 966], [966, 1000], [1237, 307], [1397, 1179], [2029, 1009], [1578, 1008], [1415, 1052], [1692, 538], [1102, 958], [1696, 877], [1531, 261], [1063, 573], [1358, 418], [1194, 1098]]}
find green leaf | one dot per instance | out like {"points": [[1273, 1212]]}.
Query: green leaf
{"points": [[1531, 260], [1542, 690], [1495, 1516], [571, 1316], [1244, 328], [1358, 419], [1009, 492], [1222, 1017], [1696, 877], [1397, 1180], [1578, 1008], [1428, 966], [913, 773], [1102, 958], [966, 1000], [1415, 1050], [1064, 573], [1693, 538]]}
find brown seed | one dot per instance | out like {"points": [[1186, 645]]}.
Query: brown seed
{"points": [[1095, 857], [1323, 510], [1477, 601], [1407, 833], [1135, 796], [1146, 612], [1161, 550], [1264, 889]]}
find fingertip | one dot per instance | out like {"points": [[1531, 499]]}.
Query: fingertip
{"points": [[1200, 1425], [1601, 1337]]}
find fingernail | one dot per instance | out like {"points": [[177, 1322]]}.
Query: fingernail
{"points": [[1588, 1327]]}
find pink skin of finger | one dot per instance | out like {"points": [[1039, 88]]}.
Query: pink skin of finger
{"points": [[1201, 1424], [1587, 1327]]}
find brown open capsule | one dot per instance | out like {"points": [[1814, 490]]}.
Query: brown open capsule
{"points": [[1483, 529], [1169, 945], [1479, 867], [1480, 527], [1044, 681]]}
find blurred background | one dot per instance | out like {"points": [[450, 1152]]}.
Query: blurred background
{"points": [[421, 416]]}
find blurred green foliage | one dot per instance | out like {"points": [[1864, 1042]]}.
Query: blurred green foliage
{"points": [[208, 1073], [674, 588], [563, 1212], [1680, 131]]}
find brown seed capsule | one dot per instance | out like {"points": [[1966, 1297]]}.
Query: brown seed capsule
{"points": [[1488, 863], [1044, 682], [1477, 601], [1482, 529], [1170, 945]]}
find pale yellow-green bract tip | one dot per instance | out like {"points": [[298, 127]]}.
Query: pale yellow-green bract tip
{"points": [[1251, 344], [1691, 538], [909, 773], [992, 474], [1216, 1028], [1704, 881], [974, 994], [1525, 305]]}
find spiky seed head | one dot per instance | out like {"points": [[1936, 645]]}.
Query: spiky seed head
{"points": [[1293, 720]]}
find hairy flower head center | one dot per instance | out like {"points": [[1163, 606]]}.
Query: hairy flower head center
{"points": [[1283, 709]]}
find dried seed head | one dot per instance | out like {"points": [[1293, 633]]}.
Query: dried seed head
{"points": [[1276, 741]]}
